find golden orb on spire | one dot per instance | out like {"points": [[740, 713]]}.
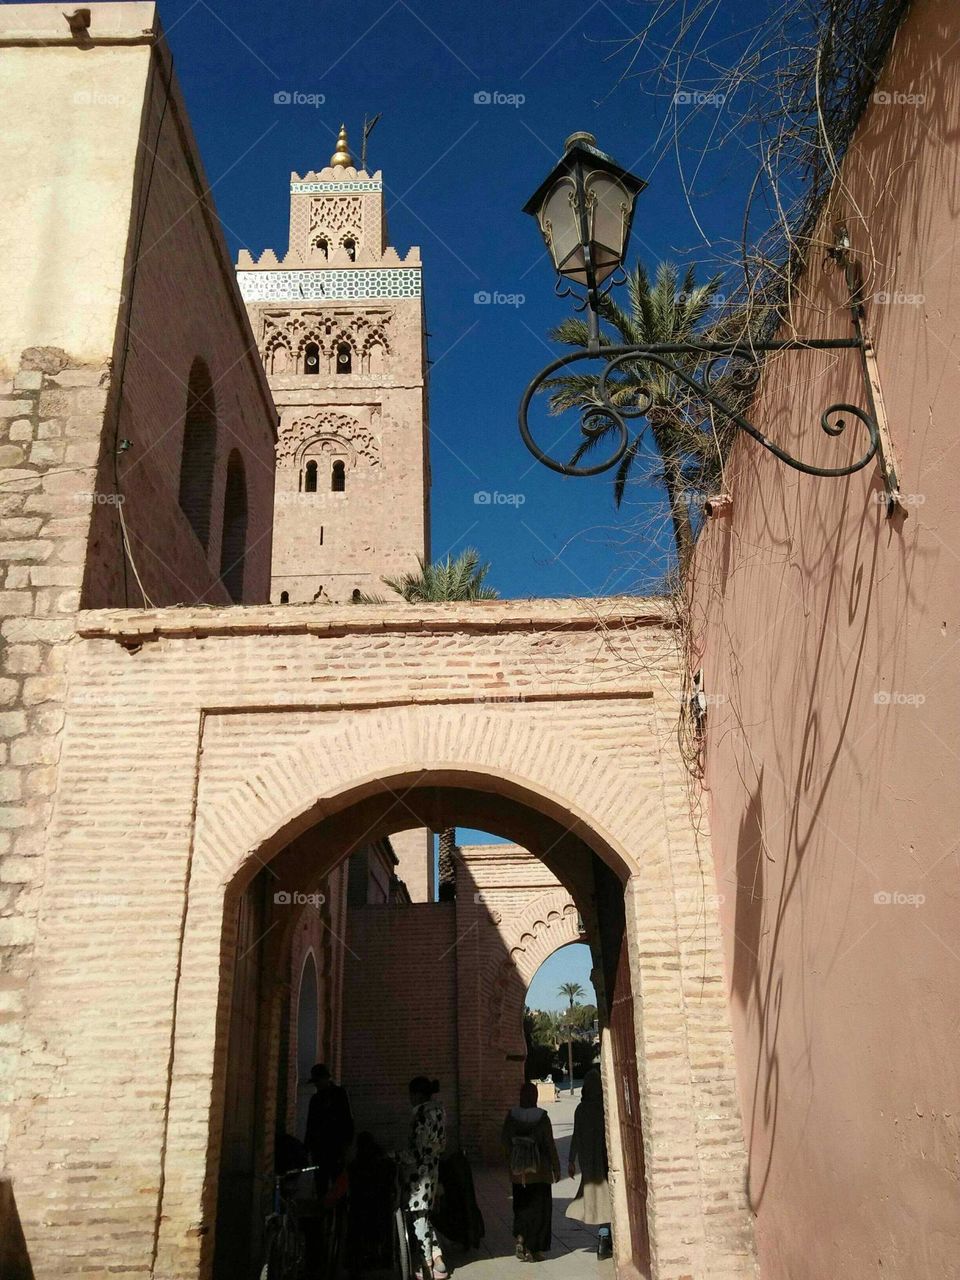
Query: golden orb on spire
{"points": [[341, 158]]}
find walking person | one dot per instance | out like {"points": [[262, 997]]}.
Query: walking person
{"points": [[329, 1128], [427, 1141], [534, 1165], [589, 1146]]}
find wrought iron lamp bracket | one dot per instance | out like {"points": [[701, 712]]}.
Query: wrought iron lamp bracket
{"points": [[743, 369]]}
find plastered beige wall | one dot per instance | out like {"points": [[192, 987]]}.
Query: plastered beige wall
{"points": [[67, 152]]}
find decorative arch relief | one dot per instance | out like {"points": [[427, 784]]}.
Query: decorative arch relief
{"points": [[286, 334], [327, 432]]}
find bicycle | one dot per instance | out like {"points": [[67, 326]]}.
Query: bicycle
{"points": [[285, 1245]]}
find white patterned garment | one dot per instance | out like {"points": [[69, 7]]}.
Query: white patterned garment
{"points": [[427, 1141]]}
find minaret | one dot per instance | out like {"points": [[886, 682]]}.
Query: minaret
{"points": [[340, 327]]}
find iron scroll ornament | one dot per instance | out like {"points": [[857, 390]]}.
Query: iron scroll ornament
{"points": [[596, 417]]}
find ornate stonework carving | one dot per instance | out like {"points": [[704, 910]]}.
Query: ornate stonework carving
{"points": [[324, 428], [336, 219], [287, 332]]}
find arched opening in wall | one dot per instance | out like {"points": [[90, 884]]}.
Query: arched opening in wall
{"points": [[338, 477], [284, 597], [560, 1019], [233, 545], [311, 358], [351, 247], [310, 477], [307, 1037], [421, 988], [198, 455], [280, 359], [322, 245], [376, 361], [344, 357]]}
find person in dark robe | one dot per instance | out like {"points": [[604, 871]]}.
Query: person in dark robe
{"points": [[534, 1165], [588, 1146], [329, 1128]]}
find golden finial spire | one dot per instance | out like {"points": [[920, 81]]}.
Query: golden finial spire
{"points": [[341, 158]]}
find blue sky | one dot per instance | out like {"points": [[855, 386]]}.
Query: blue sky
{"points": [[569, 964], [457, 172]]}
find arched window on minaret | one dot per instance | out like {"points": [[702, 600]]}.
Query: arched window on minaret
{"points": [[233, 543], [322, 245], [310, 478], [351, 247], [375, 358], [311, 358], [338, 478], [284, 597], [199, 454], [344, 358]]}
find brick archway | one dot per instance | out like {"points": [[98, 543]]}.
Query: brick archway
{"points": [[253, 727], [549, 923], [368, 772]]}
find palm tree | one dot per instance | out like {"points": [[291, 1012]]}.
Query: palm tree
{"points": [[450, 579], [572, 990], [444, 580], [669, 310]]}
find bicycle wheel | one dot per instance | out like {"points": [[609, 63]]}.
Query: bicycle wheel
{"points": [[331, 1241], [401, 1246]]}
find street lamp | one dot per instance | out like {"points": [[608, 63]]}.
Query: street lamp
{"points": [[584, 209]]}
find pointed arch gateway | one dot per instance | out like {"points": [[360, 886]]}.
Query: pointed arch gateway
{"points": [[272, 741], [386, 770]]}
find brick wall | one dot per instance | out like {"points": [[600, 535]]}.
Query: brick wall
{"points": [[552, 723], [399, 1013]]}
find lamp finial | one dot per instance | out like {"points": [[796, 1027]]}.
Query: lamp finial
{"points": [[341, 158]]}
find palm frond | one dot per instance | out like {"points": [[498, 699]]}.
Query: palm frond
{"points": [[623, 470], [461, 578]]}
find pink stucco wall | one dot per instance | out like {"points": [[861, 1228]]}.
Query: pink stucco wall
{"points": [[180, 304], [829, 639]]}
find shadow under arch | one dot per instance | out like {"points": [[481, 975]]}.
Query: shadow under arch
{"points": [[310, 841]]}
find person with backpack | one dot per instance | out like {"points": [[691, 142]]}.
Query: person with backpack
{"points": [[532, 1159]]}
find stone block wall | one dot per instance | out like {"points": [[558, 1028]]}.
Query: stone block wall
{"points": [[51, 417]]}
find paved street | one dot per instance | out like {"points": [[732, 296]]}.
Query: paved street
{"points": [[574, 1250]]}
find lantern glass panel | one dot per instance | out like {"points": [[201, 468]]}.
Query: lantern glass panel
{"points": [[609, 204], [561, 228]]}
